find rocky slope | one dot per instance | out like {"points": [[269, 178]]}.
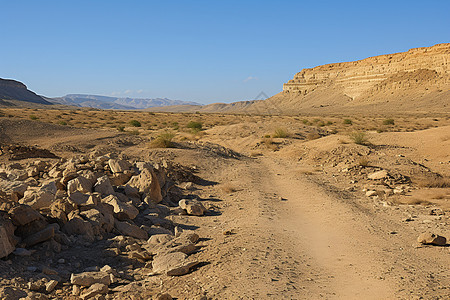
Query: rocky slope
{"points": [[15, 90]]}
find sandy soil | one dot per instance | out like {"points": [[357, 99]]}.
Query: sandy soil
{"points": [[288, 224]]}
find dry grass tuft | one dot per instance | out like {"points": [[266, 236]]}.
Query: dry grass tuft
{"points": [[163, 140], [280, 133], [228, 188], [434, 182]]}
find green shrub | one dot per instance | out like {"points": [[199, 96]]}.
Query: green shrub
{"points": [[121, 128], [164, 140], [33, 117], [195, 126], [134, 132], [347, 122], [388, 122], [135, 123], [359, 137], [64, 123], [280, 133]]}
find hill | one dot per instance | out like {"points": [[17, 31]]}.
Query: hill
{"points": [[11, 90], [105, 102]]}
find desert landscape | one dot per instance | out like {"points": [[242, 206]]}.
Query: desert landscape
{"points": [[225, 150]]}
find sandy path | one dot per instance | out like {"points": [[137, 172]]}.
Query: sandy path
{"points": [[317, 244]]}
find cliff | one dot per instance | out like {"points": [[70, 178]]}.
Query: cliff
{"points": [[15, 90], [418, 79]]}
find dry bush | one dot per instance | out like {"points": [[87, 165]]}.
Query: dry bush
{"points": [[312, 136], [359, 138], [269, 143], [363, 162], [228, 188], [163, 140], [280, 133]]}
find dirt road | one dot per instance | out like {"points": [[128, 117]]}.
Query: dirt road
{"points": [[297, 238]]}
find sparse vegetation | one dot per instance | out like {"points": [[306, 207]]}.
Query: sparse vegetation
{"points": [[64, 123], [135, 123], [347, 122], [363, 162], [33, 117], [359, 138], [195, 126], [163, 140], [228, 188], [121, 128], [388, 122], [280, 133]]}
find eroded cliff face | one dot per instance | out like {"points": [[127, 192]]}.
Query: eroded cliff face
{"points": [[427, 67]]}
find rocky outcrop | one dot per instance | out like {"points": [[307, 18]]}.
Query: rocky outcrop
{"points": [[15, 90], [399, 70]]}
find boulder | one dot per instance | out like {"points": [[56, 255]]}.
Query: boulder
{"points": [[378, 175], [89, 278], [172, 264], [6, 246], [38, 199], [79, 184], [147, 182], [428, 238], [129, 229], [40, 236], [23, 214], [94, 290], [103, 186], [78, 226], [79, 198], [119, 165], [122, 210], [192, 207]]}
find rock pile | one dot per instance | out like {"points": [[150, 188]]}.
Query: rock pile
{"points": [[57, 205]]}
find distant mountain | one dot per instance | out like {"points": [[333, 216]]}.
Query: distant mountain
{"points": [[105, 102], [15, 90]]}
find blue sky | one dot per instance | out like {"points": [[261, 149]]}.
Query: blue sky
{"points": [[204, 51]]}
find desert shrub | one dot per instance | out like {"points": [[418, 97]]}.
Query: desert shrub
{"points": [[121, 128], [175, 126], [134, 132], [280, 133], [135, 123], [363, 162], [312, 136], [388, 122], [304, 121], [359, 137], [228, 188], [163, 140], [269, 143], [64, 123], [347, 122], [195, 126], [328, 123], [33, 117]]}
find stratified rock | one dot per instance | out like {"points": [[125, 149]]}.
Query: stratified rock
{"points": [[428, 238]]}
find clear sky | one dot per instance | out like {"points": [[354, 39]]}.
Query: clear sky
{"points": [[204, 51]]}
